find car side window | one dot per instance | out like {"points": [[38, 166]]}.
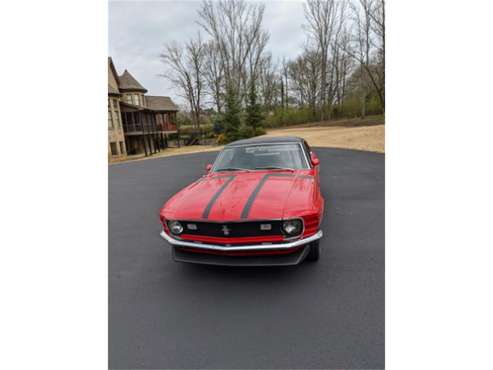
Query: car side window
{"points": [[307, 147], [308, 151]]}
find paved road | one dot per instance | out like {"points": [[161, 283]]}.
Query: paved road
{"points": [[329, 314]]}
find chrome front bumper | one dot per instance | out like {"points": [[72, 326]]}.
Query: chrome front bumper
{"points": [[288, 245]]}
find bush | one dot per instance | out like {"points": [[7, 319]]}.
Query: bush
{"points": [[295, 116], [183, 119], [205, 129], [260, 131], [352, 107], [290, 116], [221, 139], [246, 132], [218, 125]]}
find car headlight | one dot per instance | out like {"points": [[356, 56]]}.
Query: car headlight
{"points": [[175, 227], [292, 227]]}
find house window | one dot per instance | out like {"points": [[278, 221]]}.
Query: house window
{"points": [[117, 113], [122, 148], [110, 116], [113, 149]]}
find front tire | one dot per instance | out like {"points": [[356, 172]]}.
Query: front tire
{"points": [[314, 253]]}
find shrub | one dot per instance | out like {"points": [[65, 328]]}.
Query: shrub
{"points": [[260, 131], [218, 125], [221, 139], [352, 107], [246, 132], [290, 116], [205, 129]]}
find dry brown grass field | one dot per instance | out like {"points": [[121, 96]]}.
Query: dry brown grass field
{"points": [[369, 138]]}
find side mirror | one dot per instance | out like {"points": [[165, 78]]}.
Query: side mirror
{"points": [[208, 168], [314, 158]]}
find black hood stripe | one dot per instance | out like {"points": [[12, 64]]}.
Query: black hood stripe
{"points": [[206, 178], [251, 198], [208, 208]]}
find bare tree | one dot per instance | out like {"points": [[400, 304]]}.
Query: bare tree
{"points": [[268, 80], [254, 62], [186, 66], [343, 59], [343, 67], [214, 74], [236, 28], [377, 14], [305, 73], [362, 47], [285, 84], [324, 19]]}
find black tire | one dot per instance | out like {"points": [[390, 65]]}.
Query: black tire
{"points": [[314, 252]]}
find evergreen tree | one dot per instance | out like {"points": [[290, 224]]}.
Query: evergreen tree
{"points": [[254, 118], [231, 119]]}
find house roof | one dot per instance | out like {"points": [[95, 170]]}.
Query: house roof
{"points": [[267, 140], [129, 83], [131, 106], [112, 90], [160, 103]]}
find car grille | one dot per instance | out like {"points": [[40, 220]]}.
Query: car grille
{"points": [[232, 229]]}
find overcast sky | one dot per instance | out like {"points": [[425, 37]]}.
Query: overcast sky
{"points": [[139, 29]]}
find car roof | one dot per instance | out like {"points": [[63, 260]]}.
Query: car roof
{"points": [[266, 140]]}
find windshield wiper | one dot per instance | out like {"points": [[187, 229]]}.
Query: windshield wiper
{"points": [[232, 169], [275, 168]]}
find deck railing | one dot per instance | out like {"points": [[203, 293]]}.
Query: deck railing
{"points": [[139, 127]]}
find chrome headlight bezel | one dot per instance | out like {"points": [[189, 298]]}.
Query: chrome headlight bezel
{"points": [[292, 228], [175, 227]]}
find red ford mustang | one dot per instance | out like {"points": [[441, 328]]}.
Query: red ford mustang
{"points": [[258, 204]]}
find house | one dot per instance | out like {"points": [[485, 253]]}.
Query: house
{"points": [[137, 123]]}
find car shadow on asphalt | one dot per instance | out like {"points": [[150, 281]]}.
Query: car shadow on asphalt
{"points": [[243, 273]]}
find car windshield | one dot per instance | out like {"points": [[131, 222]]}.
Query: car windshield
{"points": [[257, 157]]}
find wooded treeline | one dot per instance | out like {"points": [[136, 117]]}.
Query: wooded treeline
{"points": [[227, 68]]}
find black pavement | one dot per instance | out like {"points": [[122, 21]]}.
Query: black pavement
{"points": [[328, 314]]}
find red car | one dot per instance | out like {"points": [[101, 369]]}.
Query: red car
{"points": [[258, 204]]}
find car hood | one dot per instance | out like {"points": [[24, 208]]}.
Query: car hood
{"points": [[243, 196]]}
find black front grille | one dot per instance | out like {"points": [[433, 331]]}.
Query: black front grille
{"points": [[232, 229]]}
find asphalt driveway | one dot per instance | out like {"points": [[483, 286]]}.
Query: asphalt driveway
{"points": [[328, 314]]}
